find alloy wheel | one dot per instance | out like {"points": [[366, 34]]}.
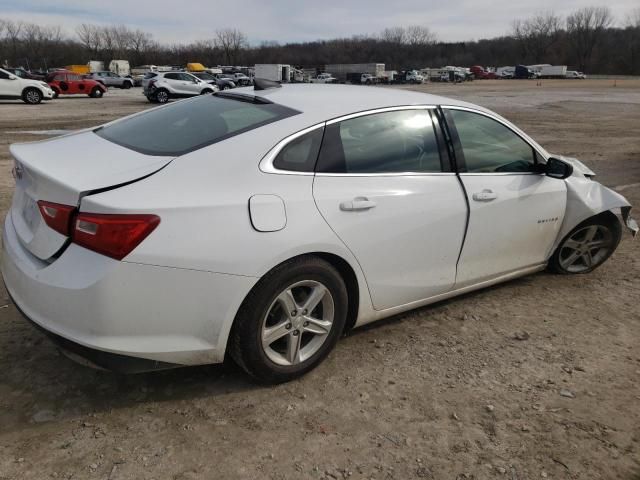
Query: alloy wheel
{"points": [[32, 96], [297, 323], [586, 248]]}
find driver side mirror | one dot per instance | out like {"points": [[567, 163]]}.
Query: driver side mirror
{"points": [[556, 168]]}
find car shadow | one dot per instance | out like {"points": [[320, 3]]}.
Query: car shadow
{"points": [[516, 282], [40, 378]]}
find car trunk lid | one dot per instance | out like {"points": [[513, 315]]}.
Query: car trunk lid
{"points": [[63, 170]]}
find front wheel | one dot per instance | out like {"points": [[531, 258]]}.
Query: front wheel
{"points": [[206, 91], [126, 85], [290, 321], [587, 246], [32, 96]]}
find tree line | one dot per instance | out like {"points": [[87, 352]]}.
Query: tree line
{"points": [[589, 39]]}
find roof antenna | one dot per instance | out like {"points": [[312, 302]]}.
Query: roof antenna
{"points": [[264, 84]]}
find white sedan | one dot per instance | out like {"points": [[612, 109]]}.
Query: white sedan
{"points": [[264, 223]]}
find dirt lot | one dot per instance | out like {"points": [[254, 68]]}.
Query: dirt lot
{"points": [[445, 392]]}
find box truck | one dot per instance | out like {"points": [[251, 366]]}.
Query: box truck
{"points": [[553, 71], [340, 70], [120, 67], [273, 71]]}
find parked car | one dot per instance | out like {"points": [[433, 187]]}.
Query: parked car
{"points": [[167, 85], [221, 83], [29, 91], [264, 212], [481, 73], [575, 75], [324, 78], [238, 78], [110, 79], [68, 83], [22, 73], [361, 78]]}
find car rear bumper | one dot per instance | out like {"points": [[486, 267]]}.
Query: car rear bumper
{"points": [[90, 302]]}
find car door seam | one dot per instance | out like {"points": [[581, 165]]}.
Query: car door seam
{"points": [[444, 125]]}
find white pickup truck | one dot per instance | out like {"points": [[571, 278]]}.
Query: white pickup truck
{"points": [[574, 74], [324, 78]]}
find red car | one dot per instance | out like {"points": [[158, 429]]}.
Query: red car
{"points": [[68, 83]]}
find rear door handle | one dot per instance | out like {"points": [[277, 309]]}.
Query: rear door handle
{"points": [[358, 203], [485, 195]]}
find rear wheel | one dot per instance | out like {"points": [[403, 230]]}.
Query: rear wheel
{"points": [[588, 245], [162, 96], [206, 91], [32, 96], [126, 85], [290, 321]]}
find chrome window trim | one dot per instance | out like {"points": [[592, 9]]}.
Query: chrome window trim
{"points": [[388, 174], [380, 110], [266, 164], [522, 135], [473, 174]]}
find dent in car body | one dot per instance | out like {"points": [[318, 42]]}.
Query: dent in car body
{"points": [[586, 198]]}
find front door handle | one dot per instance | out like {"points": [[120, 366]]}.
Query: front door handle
{"points": [[358, 203], [485, 195]]}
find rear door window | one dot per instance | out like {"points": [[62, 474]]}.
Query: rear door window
{"points": [[402, 141], [188, 125]]}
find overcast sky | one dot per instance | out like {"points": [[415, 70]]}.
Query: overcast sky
{"points": [[296, 20]]}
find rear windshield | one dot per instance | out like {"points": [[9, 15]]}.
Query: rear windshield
{"points": [[188, 125]]}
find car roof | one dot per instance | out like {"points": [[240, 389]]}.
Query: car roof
{"points": [[321, 102]]}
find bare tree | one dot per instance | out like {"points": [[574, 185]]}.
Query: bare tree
{"points": [[633, 20], [538, 34], [585, 28], [90, 37], [231, 41], [13, 31], [419, 35], [140, 43], [41, 43], [397, 35]]}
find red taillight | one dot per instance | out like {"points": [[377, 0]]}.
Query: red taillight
{"points": [[57, 216], [112, 235]]}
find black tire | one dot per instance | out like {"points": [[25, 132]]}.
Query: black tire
{"points": [[152, 99], [206, 91], [126, 85], [31, 96], [96, 92], [226, 87], [56, 93], [609, 232], [245, 344], [162, 96]]}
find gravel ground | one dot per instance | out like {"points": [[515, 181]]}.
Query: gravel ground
{"points": [[535, 378]]}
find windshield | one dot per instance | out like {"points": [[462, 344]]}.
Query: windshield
{"points": [[189, 125]]}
